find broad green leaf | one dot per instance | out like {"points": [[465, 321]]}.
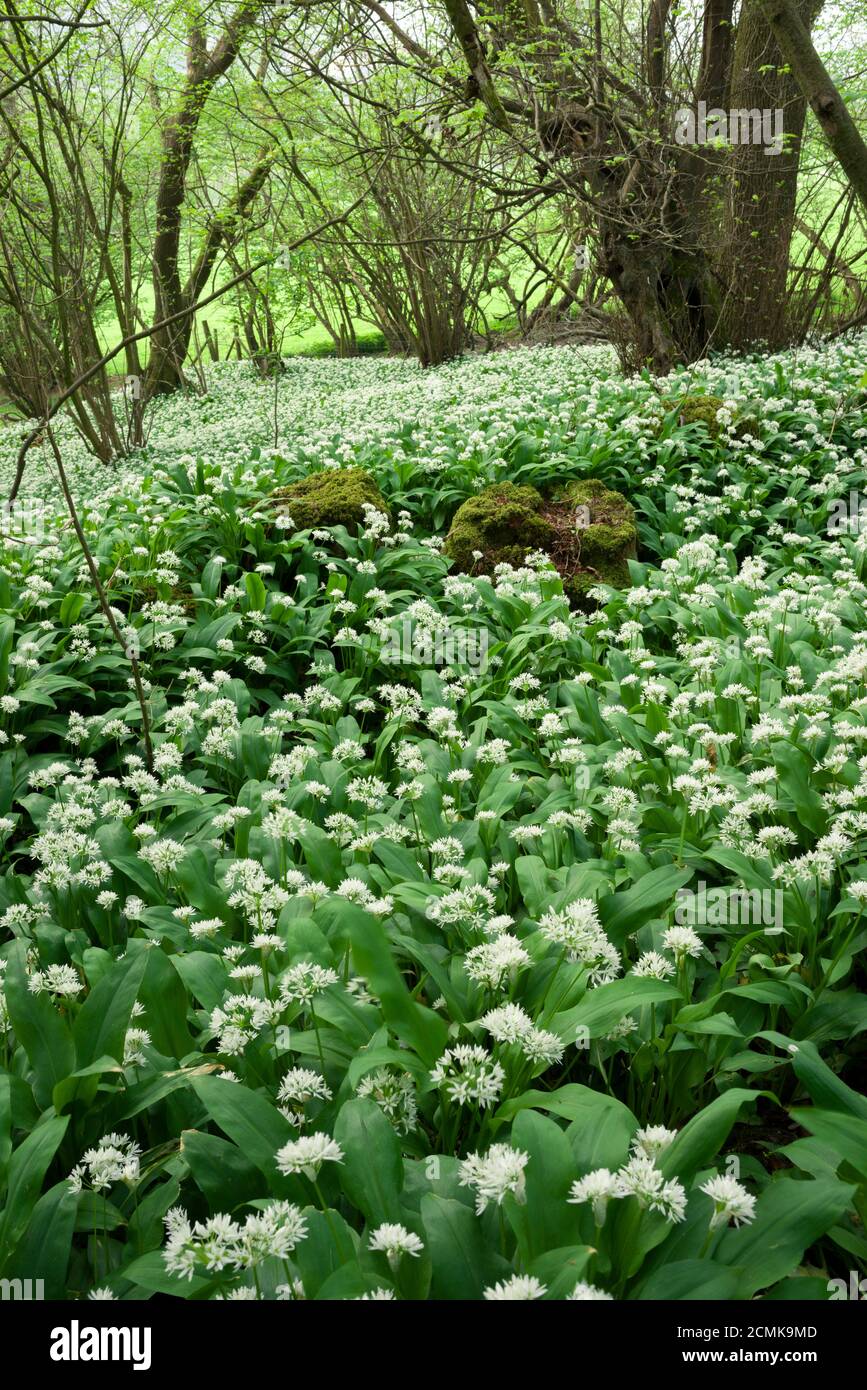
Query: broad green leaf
{"points": [[40, 1029], [464, 1264], [44, 1249], [702, 1137], [100, 1027], [371, 1173], [790, 1215], [418, 1027], [27, 1168], [255, 1125]]}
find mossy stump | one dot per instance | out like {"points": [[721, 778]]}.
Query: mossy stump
{"points": [[501, 525], [332, 497], [702, 410], [607, 536], [587, 530]]}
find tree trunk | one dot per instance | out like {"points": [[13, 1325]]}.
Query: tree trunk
{"points": [[816, 85], [761, 187], [670, 296], [169, 345]]}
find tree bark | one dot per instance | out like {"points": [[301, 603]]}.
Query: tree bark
{"points": [[761, 188], [816, 85], [169, 345]]}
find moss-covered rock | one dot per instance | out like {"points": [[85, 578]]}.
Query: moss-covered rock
{"points": [[587, 530], [333, 497], [499, 526], [701, 410], [607, 536]]}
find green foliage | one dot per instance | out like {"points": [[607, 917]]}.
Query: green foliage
{"points": [[529, 966], [501, 526], [335, 497]]}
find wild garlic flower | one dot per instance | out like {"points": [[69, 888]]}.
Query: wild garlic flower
{"points": [[298, 1087], [394, 1093], [493, 962], [493, 1174], [301, 983], [394, 1240], [239, 1019], [134, 1040], [731, 1201], [682, 942], [585, 1293], [652, 966], [597, 1188], [576, 929], [61, 980], [639, 1177], [307, 1155], [520, 1288], [469, 1073], [653, 1141], [222, 1243], [116, 1158]]}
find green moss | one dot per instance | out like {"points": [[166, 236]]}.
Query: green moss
{"points": [[501, 525], [333, 497], [506, 522], [701, 410], [608, 542]]}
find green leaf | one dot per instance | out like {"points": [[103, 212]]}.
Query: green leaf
{"points": [[70, 608], [418, 1027], [822, 1084], [691, 1279], [795, 770], [622, 913], [602, 1008], [44, 1249], [40, 1029], [328, 1245], [560, 1270], [100, 1028], [165, 1003], [463, 1262], [790, 1216], [546, 1219], [701, 1139], [255, 1125], [256, 591], [27, 1168], [226, 1176], [149, 1272], [203, 975], [845, 1134], [371, 1174]]}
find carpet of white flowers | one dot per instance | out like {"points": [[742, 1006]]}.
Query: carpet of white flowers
{"points": [[534, 976]]}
